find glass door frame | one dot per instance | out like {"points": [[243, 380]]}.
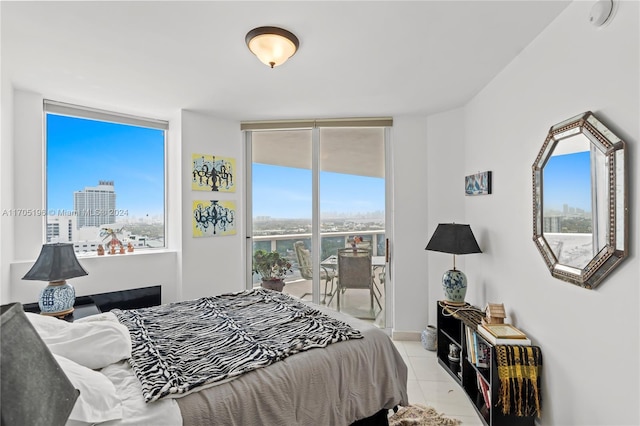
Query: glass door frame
{"points": [[316, 238], [316, 241], [388, 231]]}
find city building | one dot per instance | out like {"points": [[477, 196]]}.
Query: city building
{"points": [[61, 228], [95, 205], [552, 223]]}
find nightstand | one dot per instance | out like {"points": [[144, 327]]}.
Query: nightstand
{"points": [[81, 311]]}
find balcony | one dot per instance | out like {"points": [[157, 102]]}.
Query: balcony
{"points": [[355, 302]]}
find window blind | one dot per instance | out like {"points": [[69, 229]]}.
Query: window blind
{"points": [[61, 108], [309, 124]]}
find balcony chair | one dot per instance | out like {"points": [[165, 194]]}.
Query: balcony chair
{"points": [[381, 276], [355, 271], [306, 269]]}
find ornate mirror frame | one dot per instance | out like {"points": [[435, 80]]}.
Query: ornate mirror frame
{"points": [[614, 247]]}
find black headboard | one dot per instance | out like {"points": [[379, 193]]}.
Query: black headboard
{"points": [[128, 299], [123, 299]]}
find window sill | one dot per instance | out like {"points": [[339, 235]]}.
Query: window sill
{"points": [[136, 252], [94, 255]]}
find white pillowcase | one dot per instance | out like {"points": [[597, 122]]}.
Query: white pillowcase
{"points": [[98, 401], [93, 343]]}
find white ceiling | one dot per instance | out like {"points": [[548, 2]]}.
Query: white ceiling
{"points": [[356, 58]]}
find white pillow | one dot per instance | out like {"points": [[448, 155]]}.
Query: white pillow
{"points": [[93, 344], [98, 401]]}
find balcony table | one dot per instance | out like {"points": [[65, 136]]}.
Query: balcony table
{"points": [[332, 261]]}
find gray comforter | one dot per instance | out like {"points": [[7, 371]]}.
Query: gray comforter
{"points": [[331, 386]]}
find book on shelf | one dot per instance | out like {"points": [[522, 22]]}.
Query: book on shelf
{"points": [[491, 338], [484, 389], [478, 352], [471, 347], [475, 347], [483, 354]]}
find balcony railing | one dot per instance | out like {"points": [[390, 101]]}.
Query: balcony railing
{"points": [[328, 239], [330, 243]]}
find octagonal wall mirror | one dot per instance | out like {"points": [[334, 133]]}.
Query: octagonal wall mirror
{"points": [[580, 201]]}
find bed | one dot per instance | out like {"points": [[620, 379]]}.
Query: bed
{"points": [[345, 371]]}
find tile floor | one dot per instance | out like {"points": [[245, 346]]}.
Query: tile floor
{"points": [[430, 385]]}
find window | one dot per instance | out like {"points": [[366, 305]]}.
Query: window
{"points": [[105, 178]]}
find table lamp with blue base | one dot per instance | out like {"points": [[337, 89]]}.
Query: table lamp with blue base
{"points": [[57, 263], [455, 239]]}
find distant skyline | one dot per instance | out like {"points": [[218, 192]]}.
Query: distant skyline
{"points": [[82, 152], [567, 180], [285, 192]]}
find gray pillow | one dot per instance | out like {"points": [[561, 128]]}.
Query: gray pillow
{"points": [[34, 391]]}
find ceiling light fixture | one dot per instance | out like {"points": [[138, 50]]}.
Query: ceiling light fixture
{"points": [[272, 45]]}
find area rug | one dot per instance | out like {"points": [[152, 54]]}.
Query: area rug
{"points": [[420, 415]]}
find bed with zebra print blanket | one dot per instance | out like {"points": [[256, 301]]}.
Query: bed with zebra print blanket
{"points": [[182, 347]]}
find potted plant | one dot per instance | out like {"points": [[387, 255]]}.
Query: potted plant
{"points": [[272, 269]]}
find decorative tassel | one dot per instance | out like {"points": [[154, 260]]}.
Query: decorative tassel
{"points": [[519, 374]]}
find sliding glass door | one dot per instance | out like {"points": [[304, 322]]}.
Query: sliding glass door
{"points": [[352, 212], [314, 192]]}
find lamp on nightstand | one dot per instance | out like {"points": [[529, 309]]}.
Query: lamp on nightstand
{"points": [[454, 238], [57, 263]]}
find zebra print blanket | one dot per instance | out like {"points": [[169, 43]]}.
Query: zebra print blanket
{"points": [[182, 346]]}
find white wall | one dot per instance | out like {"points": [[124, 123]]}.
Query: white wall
{"points": [[106, 273], [429, 169], [408, 258], [28, 168], [445, 195], [589, 338], [6, 182], [211, 265]]}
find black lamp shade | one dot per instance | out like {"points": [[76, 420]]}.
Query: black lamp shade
{"points": [[453, 238], [57, 262]]}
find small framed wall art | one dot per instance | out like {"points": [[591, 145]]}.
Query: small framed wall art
{"points": [[478, 184], [214, 218], [213, 173]]}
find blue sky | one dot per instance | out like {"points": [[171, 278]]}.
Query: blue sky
{"points": [[567, 180], [285, 192], [82, 152]]}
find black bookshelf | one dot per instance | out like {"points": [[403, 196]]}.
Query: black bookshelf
{"points": [[453, 331]]}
